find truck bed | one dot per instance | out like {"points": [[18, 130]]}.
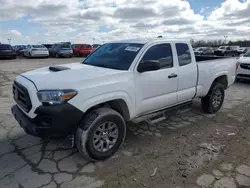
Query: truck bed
{"points": [[201, 58], [209, 66]]}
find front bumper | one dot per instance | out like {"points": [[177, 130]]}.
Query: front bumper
{"points": [[243, 71], [243, 76], [50, 121]]}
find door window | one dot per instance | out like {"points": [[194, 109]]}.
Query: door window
{"points": [[183, 53], [161, 53]]}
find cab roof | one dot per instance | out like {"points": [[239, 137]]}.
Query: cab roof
{"points": [[144, 41]]}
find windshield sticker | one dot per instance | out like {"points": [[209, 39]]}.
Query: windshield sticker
{"points": [[132, 48]]}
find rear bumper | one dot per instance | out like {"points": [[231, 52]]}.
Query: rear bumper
{"points": [[39, 54], [51, 121], [2, 55], [65, 54]]}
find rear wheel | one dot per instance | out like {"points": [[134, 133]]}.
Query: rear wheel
{"points": [[214, 99], [100, 134]]}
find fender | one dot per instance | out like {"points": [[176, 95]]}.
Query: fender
{"points": [[86, 104], [222, 73]]}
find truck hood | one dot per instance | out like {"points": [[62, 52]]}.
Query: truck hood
{"points": [[68, 75], [244, 60]]}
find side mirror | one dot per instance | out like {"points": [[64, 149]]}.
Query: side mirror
{"points": [[150, 65]]}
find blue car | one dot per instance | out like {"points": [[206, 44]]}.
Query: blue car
{"points": [[62, 49]]}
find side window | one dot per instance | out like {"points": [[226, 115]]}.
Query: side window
{"points": [[161, 53], [183, 53]]}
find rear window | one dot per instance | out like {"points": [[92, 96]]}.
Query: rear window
{"points": [[5, 47], [76, 45], [87, 46], [65, 45], [37, 46], [183, 52], [96, 45]]}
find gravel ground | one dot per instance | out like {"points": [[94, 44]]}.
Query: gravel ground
{"points": [[186, 149]]}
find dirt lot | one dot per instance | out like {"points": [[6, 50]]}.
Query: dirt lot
{"points": [[188, 149]]}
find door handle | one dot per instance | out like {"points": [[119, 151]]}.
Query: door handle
{"points": [[172, 76]]}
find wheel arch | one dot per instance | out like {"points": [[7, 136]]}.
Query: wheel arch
{"points": [[222, 79], [119, 101], [118, 105]]}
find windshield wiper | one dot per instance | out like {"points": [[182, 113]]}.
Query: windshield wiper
{"points": [[97, 65], [102, 65]]}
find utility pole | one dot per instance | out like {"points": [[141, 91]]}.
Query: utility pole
{"points": [[9, 41], [225, 37]]}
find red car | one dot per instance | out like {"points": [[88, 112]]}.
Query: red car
{"points": [[82, 49]]}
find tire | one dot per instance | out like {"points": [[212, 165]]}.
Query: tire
{"points": [[208, 103], [90, 126]]}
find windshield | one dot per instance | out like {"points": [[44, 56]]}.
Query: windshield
{"points": [[200, 49], [114, 55], [223, 47], [37, 46], [247, 54]]}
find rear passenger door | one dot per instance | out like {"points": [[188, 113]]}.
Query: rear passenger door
{"points": [[187, 73]]}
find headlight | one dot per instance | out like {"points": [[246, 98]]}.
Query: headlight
{"points": [[56, 96]]}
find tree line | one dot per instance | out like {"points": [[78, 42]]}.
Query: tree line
{"points": [[217, 43]]}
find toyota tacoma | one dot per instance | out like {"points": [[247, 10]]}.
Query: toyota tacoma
{"points": [[121, 81]]}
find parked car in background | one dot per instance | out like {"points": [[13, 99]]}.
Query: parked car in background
{"points": [[226, 51], [62, 49], [95, 46], [48, 46], [204, 51], [7, 51], [242, 50], [82, 49], [244, 67], [36, 51], [20, 49]]}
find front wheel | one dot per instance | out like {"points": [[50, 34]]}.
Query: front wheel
{"points": [[100, 134], [214, 99]]}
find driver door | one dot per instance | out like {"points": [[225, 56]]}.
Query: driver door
{"points": [[157, 89]]}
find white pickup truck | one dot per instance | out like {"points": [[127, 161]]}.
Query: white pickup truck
{"points": [[119, 82]]}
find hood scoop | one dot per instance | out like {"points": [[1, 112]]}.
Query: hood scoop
{"points": [[58, 68]]}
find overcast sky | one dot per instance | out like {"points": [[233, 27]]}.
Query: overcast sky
{"points": [[79, 21]]}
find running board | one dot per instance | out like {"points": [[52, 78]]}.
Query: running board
{"points": [[158, 116]]}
